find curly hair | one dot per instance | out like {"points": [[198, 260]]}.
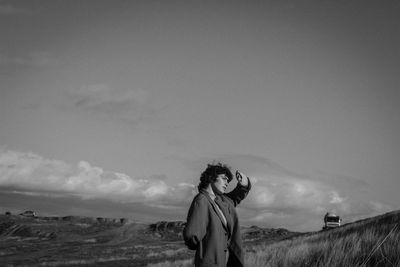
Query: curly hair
{"points": [[211, 172]]}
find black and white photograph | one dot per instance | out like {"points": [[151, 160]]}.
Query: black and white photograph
{"points": [[207, 133]]}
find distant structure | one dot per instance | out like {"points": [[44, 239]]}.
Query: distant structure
{"points": [[331, 220], [8, 213], [28, 213]]}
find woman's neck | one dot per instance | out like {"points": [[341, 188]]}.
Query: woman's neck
{"points": [[210, 191]]}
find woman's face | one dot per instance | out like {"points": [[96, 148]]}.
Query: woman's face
{"points": [[220, 184]]}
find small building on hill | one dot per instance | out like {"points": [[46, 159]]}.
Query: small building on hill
{"points": [[28, 213]]}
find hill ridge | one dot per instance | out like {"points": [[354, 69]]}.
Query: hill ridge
{"points": [[84, 240]]}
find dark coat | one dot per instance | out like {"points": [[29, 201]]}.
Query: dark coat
{"points": [[206, 233]]}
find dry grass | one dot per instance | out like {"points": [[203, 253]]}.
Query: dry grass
{"points": [[177, 263], [371, 242]]}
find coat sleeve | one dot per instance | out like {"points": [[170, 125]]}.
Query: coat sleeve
{"points": [[196, 225], [239, 193]]}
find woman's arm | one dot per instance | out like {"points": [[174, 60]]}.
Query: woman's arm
{"points": [[241, 190], [197, 221]]}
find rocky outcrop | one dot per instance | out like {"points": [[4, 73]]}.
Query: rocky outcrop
{"points": [[79, 219], [167, 230], [108, 220], [52, 218], [123, 220], [12, 229], [164, 226], [255, 233], [28, 213], [5, 226]]}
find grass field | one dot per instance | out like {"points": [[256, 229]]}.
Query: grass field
{"points": [[74, 241], [367, 243], [371, 242]]}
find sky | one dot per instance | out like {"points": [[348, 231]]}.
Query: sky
{"points": [[114, 108]]}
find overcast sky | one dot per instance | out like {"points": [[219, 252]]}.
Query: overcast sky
{"points": [[114, 108]]}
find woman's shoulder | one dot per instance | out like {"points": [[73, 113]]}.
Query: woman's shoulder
{"points": [[200, 198]]}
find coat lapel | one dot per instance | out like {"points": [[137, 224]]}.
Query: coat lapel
{"points": [[226, 211], [214, 205]]}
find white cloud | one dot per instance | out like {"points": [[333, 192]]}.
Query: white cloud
{"points": [[33, 174], [8, 9], [285, 192], [283, 198], [300, 204], [270, 217], [277, 199], [278, 192], [130, 105], [96, 95], [156, 190], [335, 198], [262, 197], [39, 59], [289, 195]]}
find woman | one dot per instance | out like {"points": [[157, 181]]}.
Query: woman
{"points": [[212, 227]]}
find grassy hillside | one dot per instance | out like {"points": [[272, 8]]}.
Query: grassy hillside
{"points": [[82, 241], [370, 242], [85, 241]]}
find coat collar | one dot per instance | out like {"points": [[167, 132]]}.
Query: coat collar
{"points": [[214, 205]]}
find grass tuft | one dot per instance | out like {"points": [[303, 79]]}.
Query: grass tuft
{"points": [[372, 242]]}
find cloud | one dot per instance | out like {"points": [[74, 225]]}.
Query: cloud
{"points": [[278, 198], [101, 95], [8, 9], [299, 203], [335, 198], [32, 174], [101, 99], [39, 59], [283, 198], [302, 200]]}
